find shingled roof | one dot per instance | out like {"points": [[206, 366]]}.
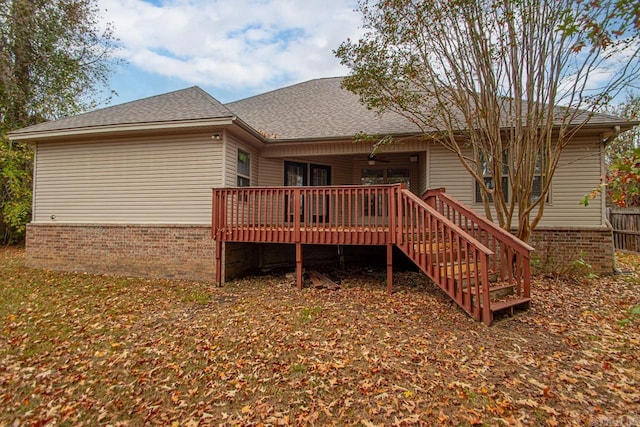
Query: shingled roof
{"points": [[187, 104], [321, 108], [312, 110], [315, 109]]}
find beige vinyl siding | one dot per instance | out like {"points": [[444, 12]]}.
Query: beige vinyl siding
{"points": [[233, 144], [341, 170], [312, 149], [230, 159], [422, 174], [577, 174], [127, 181], [271, 172], [445, 170]]}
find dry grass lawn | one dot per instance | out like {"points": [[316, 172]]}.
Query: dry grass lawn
{"points": [[79, 349]]}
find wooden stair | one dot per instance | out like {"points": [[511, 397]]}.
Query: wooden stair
{"points": [[501, 298], [510, 305], [501, 294], [456, 270]]}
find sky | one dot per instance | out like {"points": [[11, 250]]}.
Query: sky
{"points": [[232, 49]]}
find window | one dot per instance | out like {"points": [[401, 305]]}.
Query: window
{"points": [[378, 177], [372, 177], [384, 176], [488, 178], [536, 189], [244, 169], [320, 175], [397, 176]]}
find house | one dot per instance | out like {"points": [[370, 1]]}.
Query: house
{"points": [[127, 189]]}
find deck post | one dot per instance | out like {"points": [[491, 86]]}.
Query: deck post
{"points": [[297, 211], [299, 265], [526, 264], [389, 268], [219, 261], [392, 205]]}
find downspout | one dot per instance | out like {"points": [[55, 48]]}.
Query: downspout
{"points": [[33, 182]]}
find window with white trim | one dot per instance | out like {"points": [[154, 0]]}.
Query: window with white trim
{"points": [[536, 185], [244, 169], [487, 175], [536, 188]]}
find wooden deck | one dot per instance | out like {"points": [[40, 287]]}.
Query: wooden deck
{"points": [[452, 245]]}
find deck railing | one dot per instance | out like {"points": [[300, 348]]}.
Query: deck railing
{"points": [[360, 215], [510, 259], [310, 215]]}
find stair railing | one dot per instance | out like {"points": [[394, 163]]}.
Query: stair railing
{"points": [[510, 259], [453, 259]]}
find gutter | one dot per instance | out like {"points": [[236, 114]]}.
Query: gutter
{"points": [[119, 128]]}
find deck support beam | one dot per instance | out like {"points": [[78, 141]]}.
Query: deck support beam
{"points": [[299, 265], [389, 268]]}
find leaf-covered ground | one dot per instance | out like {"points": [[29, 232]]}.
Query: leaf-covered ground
{"points": [[79, 349]]}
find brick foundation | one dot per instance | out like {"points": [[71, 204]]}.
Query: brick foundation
{"points": [[558, 249], [167, 251], [188, 252]]}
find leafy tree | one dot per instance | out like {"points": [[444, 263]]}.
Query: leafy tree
{"points": [[629, 140], [484, 78], [55, 60], [622, 182], [623, 179]]}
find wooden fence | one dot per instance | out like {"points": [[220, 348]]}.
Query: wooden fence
{"points": [[626, 228]]}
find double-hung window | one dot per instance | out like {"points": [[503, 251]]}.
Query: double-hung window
{"points": [[243, 169], [487, 175], [489, 181], [536, 189]]}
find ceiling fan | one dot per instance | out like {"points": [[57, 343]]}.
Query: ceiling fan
{"points": [[372, 159]]}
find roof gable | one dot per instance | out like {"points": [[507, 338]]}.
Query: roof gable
{"points": [[315, 109], [182, 105]]}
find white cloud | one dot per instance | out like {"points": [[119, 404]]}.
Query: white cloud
{"points": [[234, 44]]}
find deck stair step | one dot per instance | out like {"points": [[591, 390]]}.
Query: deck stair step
{"points": [[499, 292], [498, 288], [432, 248], [509, 305], [453, 270]]}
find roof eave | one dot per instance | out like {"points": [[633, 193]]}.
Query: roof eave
{"points": [[118, 128], [624, 125], [602, 126], [271, 141]]}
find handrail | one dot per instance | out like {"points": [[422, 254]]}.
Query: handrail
{"points": [[501, 233], [469, 238], [456, 261], [511, 261], [344, 214]]}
